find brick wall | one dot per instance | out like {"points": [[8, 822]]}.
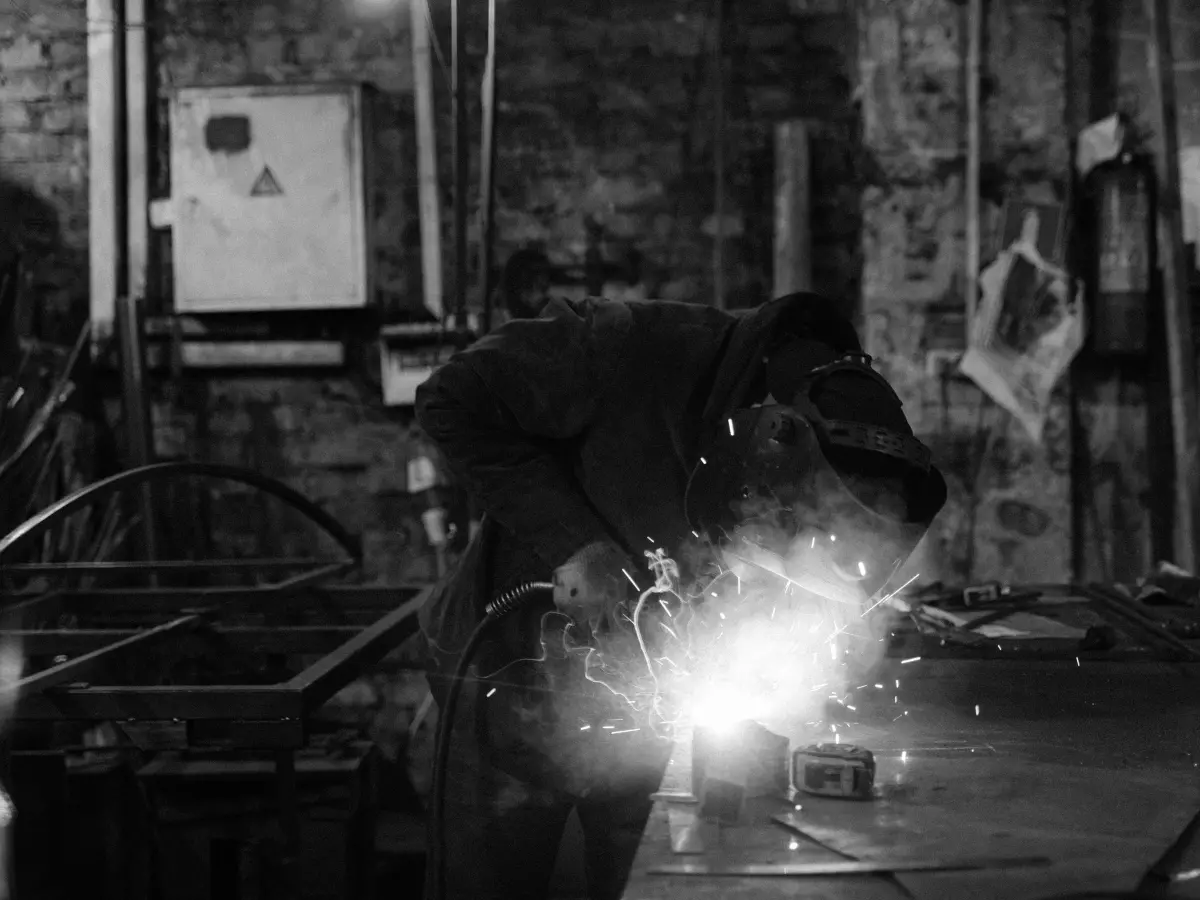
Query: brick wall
{"points": [[43, 157], [606, 120], [604, 144]]}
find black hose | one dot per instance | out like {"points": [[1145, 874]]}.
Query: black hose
{"points": [[494, 611]]}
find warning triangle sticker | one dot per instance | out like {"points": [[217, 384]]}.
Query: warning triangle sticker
{"points": [[266, 185]]}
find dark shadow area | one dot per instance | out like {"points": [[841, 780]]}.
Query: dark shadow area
{"points": [[51, 302]]}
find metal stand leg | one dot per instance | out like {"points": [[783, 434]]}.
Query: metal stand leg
{"points": [[289, 820]]}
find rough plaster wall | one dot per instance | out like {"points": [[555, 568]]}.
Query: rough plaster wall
{"points": [[43, 156], [1009, 515], [1009, 510]]}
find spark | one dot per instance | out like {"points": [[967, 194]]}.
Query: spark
{"points": [[911, 659], [650, 539], [794, 845], [608, 727], [627, 731], [851, 708], [1077, 661], [976, 709], [703, 461], [631, 581], [894, 593], [731, 427], [897, 683], [904, 756], [879, 687], [833, 537], [814, 543], [585, 728], [492, 691], [862, 569]]}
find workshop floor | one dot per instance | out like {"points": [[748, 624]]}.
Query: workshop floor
{"points": [[400, 842]]}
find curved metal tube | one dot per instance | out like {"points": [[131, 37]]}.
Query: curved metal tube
{"points": [[32, 528]]}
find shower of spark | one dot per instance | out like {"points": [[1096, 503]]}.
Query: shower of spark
{"points": [[748, 642]]}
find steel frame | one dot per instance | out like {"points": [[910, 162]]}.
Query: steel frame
{"points": [[368, 622]]}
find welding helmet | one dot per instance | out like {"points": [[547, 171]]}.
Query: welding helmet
{"points": [[780, 487]]}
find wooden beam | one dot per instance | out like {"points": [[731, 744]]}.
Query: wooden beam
{"points": [[1181, 359], [793, 209]]}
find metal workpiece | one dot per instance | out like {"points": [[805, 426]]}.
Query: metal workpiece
{"points": [[1025, 780]]}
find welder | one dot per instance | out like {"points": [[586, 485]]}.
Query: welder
{"points": [[588, 435]]}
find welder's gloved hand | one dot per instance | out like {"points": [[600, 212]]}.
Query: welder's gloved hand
{"points": [[592, 587]]}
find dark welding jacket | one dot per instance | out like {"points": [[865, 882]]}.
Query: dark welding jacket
{"points": [[583, 425]]}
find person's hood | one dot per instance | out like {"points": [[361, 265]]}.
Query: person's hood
{"points": [[805, 315]]}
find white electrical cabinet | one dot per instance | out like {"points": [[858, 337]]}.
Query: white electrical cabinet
{"points": [[270, 207]]}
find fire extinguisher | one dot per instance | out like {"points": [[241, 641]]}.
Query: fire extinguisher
{"points": [[1122, 199]]}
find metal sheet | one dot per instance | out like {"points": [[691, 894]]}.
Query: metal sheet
{"points": [[1091, 765], [809, 870], [331, 673]]}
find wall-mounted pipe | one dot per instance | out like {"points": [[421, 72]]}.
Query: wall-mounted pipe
{"points": [[974, 152], [427, 172], [462, 167], [105, 225], [137, 147], [487, 169], [718, 64]]}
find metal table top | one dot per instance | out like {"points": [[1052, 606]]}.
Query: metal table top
{"points": [[1093, 766]]}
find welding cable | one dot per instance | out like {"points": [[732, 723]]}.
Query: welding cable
{"points": [[495, 610]]}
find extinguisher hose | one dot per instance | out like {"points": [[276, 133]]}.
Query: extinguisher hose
{"points": [[495, 610]]}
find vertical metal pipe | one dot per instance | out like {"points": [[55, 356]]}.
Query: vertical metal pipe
{"points": [[718, 52], [487, 167], [1181, 358], [974, 151], [461, 164], [137, 147], [104, 72], [138, 430], [427, 171]]}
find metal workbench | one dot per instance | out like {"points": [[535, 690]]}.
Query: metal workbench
{"points": [[1087, 769]]}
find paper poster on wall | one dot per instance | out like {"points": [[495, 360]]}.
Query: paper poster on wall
{"points": [[1028, 327]]}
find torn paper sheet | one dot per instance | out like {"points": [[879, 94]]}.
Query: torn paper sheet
{"points": [[1098, 143], [1026, 331]]}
